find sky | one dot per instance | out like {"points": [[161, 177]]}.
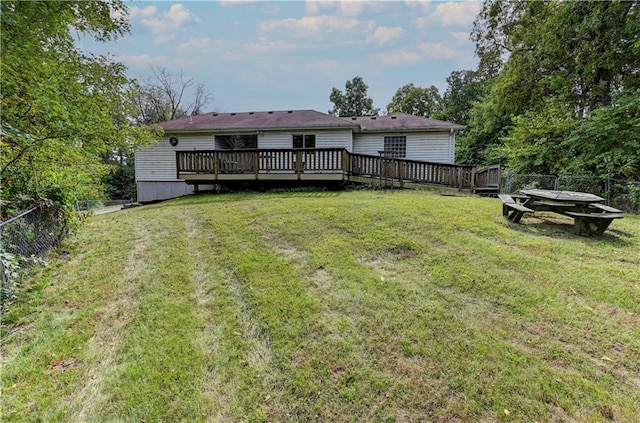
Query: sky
{"points": [[284, 55]]}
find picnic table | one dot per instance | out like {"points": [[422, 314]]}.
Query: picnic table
{"points": [[590, 214]]}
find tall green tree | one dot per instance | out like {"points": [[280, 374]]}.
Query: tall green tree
{"points": [[416, 101], [63, 111], [354, 101], [463, 89], [553, 59]]}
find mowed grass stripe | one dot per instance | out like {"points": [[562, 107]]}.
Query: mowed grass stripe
{"points": [[46, 359], [115, 315], [236, 353], [159, 372]]}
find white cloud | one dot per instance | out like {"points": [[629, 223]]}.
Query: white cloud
{"points": [[235, 2], [313, 26], [397, 58], [177, 16], [143, 60], [195, 44], [313, 7], [383, 34], [139, 12], [462, 37], [457, 13], [352, 7], [344, 7], [461, 14], [264, 46], [437, 51]]}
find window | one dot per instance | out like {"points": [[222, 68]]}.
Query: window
{"points": [[304, 141], [236, 142], [396, 146]]}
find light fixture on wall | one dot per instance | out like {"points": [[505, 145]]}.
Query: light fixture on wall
{"points": [[173, 141]]}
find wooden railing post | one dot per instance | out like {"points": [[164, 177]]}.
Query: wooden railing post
{"points": [[298, 162], [256, 162], [346, 163]]}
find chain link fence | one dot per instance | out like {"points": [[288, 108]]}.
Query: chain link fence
{"points": [[619, 193], [85, 207], [25, 239]]}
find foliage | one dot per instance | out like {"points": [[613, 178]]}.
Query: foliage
{"points": [[329, 307], [120, 182], [62, 110], [9, 276], [546, 57], [463, 89], [607, 142], [353, 101], [534, 145], [162, 97], [488, 122], [416, 101]]}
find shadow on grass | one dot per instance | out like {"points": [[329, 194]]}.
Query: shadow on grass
{"points": [[561, 228]]}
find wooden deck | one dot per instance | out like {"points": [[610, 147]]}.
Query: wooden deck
{"points": [[318, 165]]}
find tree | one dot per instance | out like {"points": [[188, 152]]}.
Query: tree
{"points": [[550, 59], [416, 101], [62, 110], [607, 142], [464, 88], [163, 97], [354, 101]]}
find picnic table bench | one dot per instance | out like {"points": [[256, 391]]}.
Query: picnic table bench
{"points": [[511, 210], [590, 215]]}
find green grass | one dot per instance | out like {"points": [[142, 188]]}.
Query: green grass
{"points": [[342, 306]]}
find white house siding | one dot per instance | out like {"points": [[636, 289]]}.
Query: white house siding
{"points": [[430, 147], [334, 139], [368, 143], [156, 168], [275, 140], [425, 146], [158, 162], [324, 139]]}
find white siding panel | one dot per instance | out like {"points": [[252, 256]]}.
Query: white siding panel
{"points": [[430, 147], [324, 139], [426, 146], [334, 139], [158, 162], [368, 143], [275, 140]]}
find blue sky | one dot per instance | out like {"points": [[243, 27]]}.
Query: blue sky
{"points": [[280, 55]]}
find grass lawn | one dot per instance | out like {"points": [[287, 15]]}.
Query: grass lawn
{"points": [[331, 306]]}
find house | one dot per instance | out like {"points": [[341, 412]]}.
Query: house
{"points": [[399, 135]]}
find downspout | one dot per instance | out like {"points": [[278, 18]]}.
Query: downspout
{"points": [[452, 144]]}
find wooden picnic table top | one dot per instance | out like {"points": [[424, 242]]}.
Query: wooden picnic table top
{"points": [[562, 196]]}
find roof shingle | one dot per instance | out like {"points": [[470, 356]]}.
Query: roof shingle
{"points": [[400, 122], [303, 120], [286, 119]]}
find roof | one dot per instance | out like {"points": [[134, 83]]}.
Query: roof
{"points": [[301, 120], [401, 122], [253, 121]]}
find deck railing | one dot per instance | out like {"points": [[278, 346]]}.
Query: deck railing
{"points": [[402, 170], [489, 177], [260, 161], [321, 160]]}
